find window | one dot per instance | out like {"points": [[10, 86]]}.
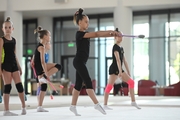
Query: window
{"points": [[158, 56]]}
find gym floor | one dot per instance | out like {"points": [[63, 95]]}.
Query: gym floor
{"points": [[153, 108]]}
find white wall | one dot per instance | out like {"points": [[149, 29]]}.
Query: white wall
{"points": [[51, 5], [129, 3], [32, 5], [1, 33]]}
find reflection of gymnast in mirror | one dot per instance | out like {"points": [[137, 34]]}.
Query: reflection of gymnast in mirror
{"points": [[116, 71]]}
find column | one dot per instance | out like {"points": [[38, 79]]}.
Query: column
{"points": [[123, 20], [17, 19], [157, 63], [47, 23]]}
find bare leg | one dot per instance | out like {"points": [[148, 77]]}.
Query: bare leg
{"points": [[97, 106], [40, 101], [7, 79], [126, 78], [131, 90], [38, 85], [41, 98], [75, 95], [6, 102], [92, 95], [17, 79], [51, 69], [112, 79]]}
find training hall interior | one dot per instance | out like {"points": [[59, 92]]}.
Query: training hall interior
{"points": [[154, 61]]}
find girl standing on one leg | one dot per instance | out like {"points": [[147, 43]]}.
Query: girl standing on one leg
{"points": [[115, 71], [43, 70], [10, 67], [82, 55], [47, 48]]}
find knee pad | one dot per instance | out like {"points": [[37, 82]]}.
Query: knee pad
{"points": [[19, 87], [58, 66], [108, 88], [38, 90], [43, 87], [7, 89], [130, 83]]}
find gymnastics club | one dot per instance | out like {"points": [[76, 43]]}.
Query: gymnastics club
{"points": [[134, 36]]}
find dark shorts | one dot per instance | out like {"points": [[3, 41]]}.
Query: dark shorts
{"points": [[39, 70], [10, 67], [114, 70]]}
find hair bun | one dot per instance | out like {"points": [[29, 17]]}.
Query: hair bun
{"points": [[117, 30], [8, 19], [39, 28], [80, 11]]}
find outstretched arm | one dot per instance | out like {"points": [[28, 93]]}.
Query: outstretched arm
{"points": [[109, 33]]}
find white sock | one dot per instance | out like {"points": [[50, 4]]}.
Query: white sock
{"points": [[73, 109], [100, 108], [106, 107], [23, 111], [135, 105], [41, 109], [8, 113]]}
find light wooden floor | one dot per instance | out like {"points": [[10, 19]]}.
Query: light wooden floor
{"points": [[153, 108]]}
